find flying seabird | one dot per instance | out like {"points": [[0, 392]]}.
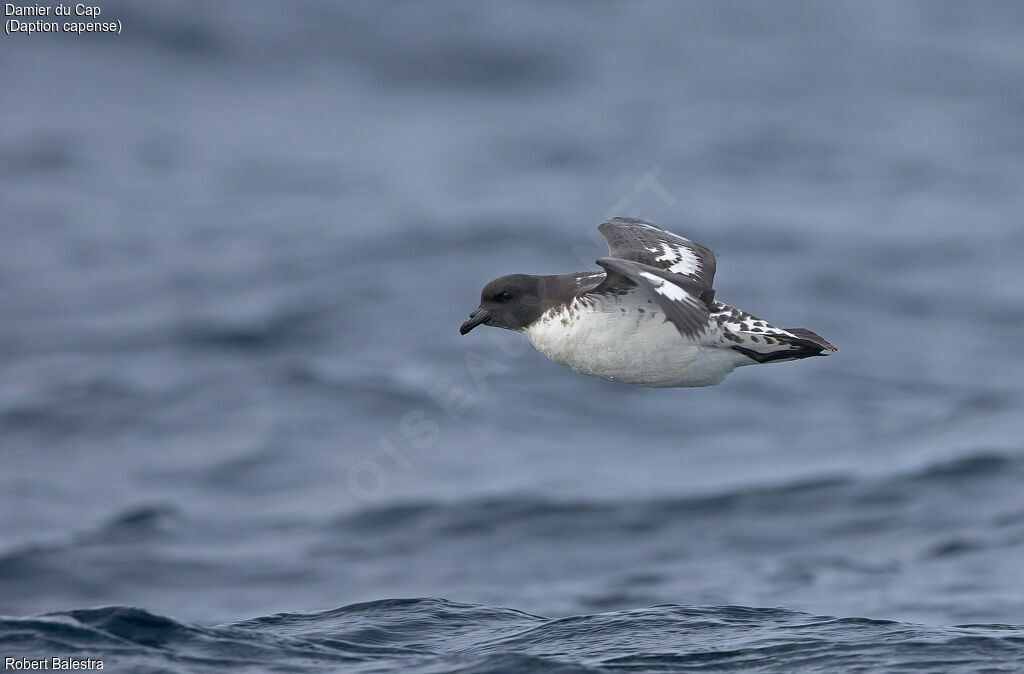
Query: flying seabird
{"points": [[649, 319]]}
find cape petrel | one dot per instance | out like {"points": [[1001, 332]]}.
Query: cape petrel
{"points": [[649, 319]]}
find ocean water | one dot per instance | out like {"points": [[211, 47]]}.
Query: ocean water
{"points": [[239, 429]]}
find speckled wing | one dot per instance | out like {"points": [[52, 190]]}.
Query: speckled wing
{"points": [[639, 241], [684, 301]]}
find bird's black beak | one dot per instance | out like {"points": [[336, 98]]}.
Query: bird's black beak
{"points": [[475, 319]]}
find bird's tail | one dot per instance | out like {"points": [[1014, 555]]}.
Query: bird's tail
{"points": [[762, 342], [811, 339], [785, 344], [791, 344]]}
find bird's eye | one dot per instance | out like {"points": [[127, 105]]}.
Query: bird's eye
{"points": [[503, 296]]}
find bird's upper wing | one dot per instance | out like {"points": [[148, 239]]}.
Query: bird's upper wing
{"points": [[639, 241], [684, 301]]}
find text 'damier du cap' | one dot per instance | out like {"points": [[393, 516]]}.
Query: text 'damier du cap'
{"points": [[77, 19]]}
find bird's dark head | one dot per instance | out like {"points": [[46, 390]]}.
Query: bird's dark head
{"points": [[511, 302]]}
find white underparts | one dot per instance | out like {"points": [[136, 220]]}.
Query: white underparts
{"points": [[628, 339]]}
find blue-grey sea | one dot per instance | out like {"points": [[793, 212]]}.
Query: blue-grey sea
{"points": [[240, 431]]}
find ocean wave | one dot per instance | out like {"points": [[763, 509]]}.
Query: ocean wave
{"points": [[772, 543], [436, 635]]}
